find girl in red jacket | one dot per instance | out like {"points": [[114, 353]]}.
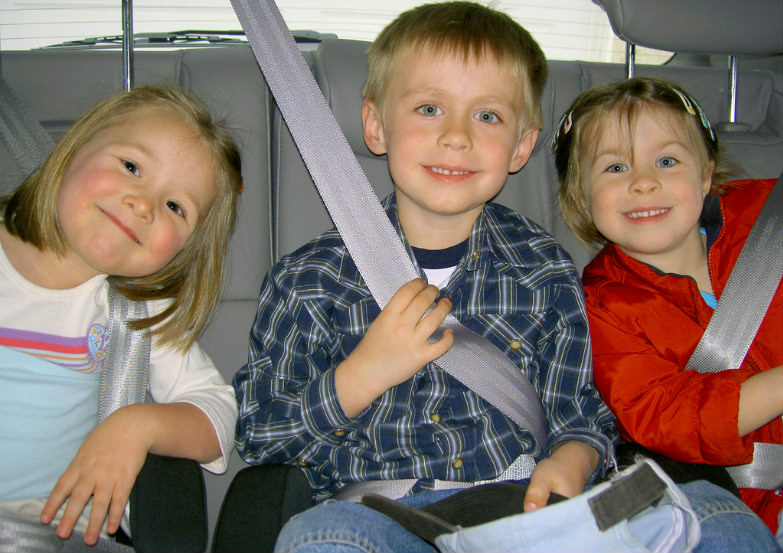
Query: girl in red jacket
{"points": [[641, 176]]}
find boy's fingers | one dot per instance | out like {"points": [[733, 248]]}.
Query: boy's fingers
{"points": [[423, 300], [443, 344], [406, 293], [432, 320], [535, 497]]}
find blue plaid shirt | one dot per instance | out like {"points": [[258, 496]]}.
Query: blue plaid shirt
{"points": [[515, 286]]}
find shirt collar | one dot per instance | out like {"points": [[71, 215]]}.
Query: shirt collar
{"points": [[485, 242]]}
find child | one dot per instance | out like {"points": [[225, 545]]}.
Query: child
{"points": [[141, 191], [641, 174], [351, 393]]}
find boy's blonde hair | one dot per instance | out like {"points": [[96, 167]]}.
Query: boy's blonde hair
{"points": [[460, 28], [193, 279], [576, 139]]}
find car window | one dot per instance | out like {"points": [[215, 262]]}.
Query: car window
{"points": [[566, 29]]}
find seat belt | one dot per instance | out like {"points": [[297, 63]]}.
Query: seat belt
{"points": [[26, 139], [126, 359], [723, 346], [379, 256], [739, 313]]}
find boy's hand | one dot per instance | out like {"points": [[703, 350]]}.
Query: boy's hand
{"points": [[564, 472], [395, 347], [104, 469]]}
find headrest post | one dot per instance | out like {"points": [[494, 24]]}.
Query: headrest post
{"points": [[630, 59], [127, 44], [733, 74]]}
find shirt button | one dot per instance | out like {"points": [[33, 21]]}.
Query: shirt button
{"points": [[339, 433], [435, 418], [475, 255], [458, 463], [515, 345], [302, 463]]}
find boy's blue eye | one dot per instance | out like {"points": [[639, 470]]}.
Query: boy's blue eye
{"points": [[487, 117], [667, 161], [174, 206], [429, 109], [615, 168], [131, 167]]}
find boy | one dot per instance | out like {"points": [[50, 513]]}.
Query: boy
{"points": [[352, 393]]}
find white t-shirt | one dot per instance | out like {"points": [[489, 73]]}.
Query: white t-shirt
{"points": [[67, 328]]}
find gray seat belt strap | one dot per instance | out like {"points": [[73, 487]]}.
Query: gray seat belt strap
{"points": [[745, 300], [380, 255], [24, 136], [126, 359], [752, 284], [24, 534], [765, 472]]}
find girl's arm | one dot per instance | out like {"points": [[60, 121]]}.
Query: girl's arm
{"points": [[761, 400], [193, 417], [686, 415], [108, 462]]}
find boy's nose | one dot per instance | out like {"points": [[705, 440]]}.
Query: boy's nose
{"points": [[455, 135]]}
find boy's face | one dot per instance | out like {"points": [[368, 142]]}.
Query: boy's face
{"points": [[452, 130], [648, 198], [133, 194]]}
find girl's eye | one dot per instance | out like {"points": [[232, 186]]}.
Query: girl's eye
{"points": [[487, 117], [667, 161], [616, 168], [429, 110], [174, 206], [131, 167]]}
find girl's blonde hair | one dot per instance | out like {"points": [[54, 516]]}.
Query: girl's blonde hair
{"points": [[460, 28], [576, 138], [193, 279]]}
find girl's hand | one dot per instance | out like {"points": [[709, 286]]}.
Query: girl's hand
{"points": [[395, 347], [104, 469], [565, 472]]}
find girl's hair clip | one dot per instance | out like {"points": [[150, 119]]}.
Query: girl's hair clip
{"points": [[563, 127], [693, 107], [686, 102]]}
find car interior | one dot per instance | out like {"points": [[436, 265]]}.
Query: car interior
{"points": [[729, 56]]}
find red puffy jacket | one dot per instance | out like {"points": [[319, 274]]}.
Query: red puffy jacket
{"points": [[645, 325]]}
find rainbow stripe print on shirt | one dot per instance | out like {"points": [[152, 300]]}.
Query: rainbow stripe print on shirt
{"points": [[81, 354]]}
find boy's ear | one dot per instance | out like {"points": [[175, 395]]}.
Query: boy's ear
{"points": [[373, 128], [524, 148]]}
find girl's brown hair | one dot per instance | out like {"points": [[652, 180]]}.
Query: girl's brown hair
{"points": [[193, 279], [576, 139]]}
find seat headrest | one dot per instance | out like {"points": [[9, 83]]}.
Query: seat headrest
{"points": [[699, 26], [340, 69]]}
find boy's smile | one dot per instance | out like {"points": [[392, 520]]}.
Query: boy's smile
{"points": [[452, 128], [648, 198]]}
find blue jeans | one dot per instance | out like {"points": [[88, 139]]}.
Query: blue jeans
{"points": [[727, 525]]}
